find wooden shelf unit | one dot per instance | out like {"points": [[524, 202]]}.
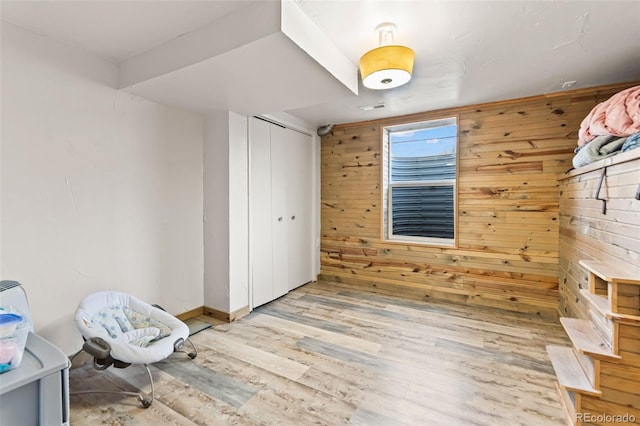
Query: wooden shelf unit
{"points": [[600, 373]]}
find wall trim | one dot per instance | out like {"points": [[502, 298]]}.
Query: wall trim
{"points": [[193, 313], [224, 316]]}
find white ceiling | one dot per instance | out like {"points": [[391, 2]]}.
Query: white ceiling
{"points": [[115, 30], [466, 52]]}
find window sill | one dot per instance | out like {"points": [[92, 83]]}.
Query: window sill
{"points": [[429, 244]]}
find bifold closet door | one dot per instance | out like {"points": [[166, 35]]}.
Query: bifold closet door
{"points": [[280, 203], [261, 229], [299, 202], [280, 162]]}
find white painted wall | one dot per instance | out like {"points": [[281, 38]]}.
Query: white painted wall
{"points": [[238, 212], [100, 189], [226, 212], [216, 212]]}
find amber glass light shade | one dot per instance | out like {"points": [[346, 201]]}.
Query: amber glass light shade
{"points": [[386, 67]]}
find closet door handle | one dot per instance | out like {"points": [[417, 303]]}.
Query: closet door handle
{"points": [[293, 217], [280, 219]]}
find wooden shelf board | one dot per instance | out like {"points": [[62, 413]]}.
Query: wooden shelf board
{"points": [[570, 374], [586, 340], [602, 305], [613, 272], [599, 302], [623, 157]]}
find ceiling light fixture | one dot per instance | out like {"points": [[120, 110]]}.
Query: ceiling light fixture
{"points": [[389, 65]]}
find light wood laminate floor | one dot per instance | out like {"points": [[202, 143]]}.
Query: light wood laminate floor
{"points": [[331, 354]]}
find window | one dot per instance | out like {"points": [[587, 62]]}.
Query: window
{"points": [[420, 171]]}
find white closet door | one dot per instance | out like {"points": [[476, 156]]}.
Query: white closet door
{"points": [[299, 181], [280, 162], [260, 213]]}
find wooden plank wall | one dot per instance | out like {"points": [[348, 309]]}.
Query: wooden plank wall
{"points": [[587, 233], [510, 155]]}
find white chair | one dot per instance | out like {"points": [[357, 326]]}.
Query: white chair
{"points": [[120, 329]]}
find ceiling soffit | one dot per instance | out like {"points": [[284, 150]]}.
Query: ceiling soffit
{"points": [[261, 59]]}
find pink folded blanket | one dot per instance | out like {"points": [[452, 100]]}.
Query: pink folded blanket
{"points": [[617, 116]]}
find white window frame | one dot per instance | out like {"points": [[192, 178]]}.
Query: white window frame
{"points": [[390, 236]]}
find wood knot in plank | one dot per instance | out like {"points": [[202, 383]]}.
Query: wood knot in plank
{"points": [[357, 165], [512, 154], [492, 191]]}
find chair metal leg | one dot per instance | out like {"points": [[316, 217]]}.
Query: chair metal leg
{"points": [[72, 357], [134, 394], [193, 354], [179, 345], [145, 401]]}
